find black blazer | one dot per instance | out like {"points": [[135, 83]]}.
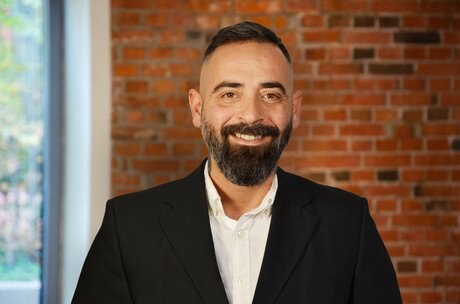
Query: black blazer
{"points": [[156, 246]]}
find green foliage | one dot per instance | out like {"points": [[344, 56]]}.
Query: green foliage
{"points": [[21, 136], [24, 269]]}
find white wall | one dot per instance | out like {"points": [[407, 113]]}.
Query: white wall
{"points": [[87, 131]]}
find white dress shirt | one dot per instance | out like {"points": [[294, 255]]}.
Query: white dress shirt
{"points": [[239, 245]]}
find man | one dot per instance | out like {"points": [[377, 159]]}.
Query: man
{"points": [[239, 229]]}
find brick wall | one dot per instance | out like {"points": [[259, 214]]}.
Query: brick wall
{"points": [[380, 114]]}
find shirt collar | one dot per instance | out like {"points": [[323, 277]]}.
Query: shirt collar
{"points": [[215, 203]]}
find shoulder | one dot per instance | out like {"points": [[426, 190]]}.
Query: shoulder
{"points": [[325, 199]]}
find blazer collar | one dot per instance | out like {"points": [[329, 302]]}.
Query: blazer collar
{"points": [[188, 230], [292, 225]]}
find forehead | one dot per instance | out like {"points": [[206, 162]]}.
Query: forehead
{"points": [[248, 61]]}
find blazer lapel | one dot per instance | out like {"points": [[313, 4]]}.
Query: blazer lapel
{"points": [[188, 230], [291, 228]]}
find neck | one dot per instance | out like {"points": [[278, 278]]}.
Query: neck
{"points": [[237, 200]]}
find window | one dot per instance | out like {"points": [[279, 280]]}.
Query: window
{"points": [[30, 162]]}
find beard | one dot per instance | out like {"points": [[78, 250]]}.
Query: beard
{"points": [[246, 165]]}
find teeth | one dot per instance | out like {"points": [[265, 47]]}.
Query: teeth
{"points": [[247, 136]]}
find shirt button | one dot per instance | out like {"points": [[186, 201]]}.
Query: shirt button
{"points": [[241, 281], [241, 234]]}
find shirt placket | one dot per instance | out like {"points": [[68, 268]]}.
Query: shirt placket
{"points": [[241, 266]]}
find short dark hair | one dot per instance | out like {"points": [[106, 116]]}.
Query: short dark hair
{"points": [[245, 32]]}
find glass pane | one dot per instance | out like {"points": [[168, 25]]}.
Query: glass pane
{"points": [[21, 149]]}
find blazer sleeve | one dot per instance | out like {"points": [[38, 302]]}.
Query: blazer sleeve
{"points": [[103, 278], [375, 279]]}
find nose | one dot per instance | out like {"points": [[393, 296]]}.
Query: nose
{"points": [[251, 111]]}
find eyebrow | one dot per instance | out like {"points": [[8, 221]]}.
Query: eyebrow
{"points": [[264, 85], [226, 84], [273, 84]]}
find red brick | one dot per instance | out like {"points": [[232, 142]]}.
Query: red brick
{"points": [[207, 6], [394, 6], [155, 149], [339, 53], [339, 84], [362, 175], [431, 297], [366, 37], [415, 53], [414, 84], [127, 149], [301, 5], [415, 281], [323, 130], [450, 100], [206, 21], [431, 250], [156, 19], [389, 53], [387, 145], [361, 145], [436, 159], [132, 4], [438, 69], [386, 115], [184, 149], [133, 53], [123, 179], [156, 165], [344, 6], [414, 21], [366, 100], [440, 53], [326, 161], [443, 6], [438, 144], [411, 99], [387, 160], [315, 54], [126, 19], [440, 84], [387, 190], [340, 68], [338, 114], [439, 128], [411, 144], [362, 130], [136, 86], [324, 145], [432, 266], [319, 99], [321, 36], [312, 21], [163, 86], [258, 6], [161, 52], [125, 70]]}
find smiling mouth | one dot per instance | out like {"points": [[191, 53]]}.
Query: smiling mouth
{"points": [[248, 136]]}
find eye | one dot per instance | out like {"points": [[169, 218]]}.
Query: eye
{"points": [[271, 97], [229, 95]]}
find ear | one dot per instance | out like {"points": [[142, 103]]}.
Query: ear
{"points": [[296, 104], [195, 102]]}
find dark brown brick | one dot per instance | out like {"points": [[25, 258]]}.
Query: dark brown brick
{"points": [[389, 21], [388, 175], [363, 53], [390, 69], [436, 205], [341, 175], [438, 114], [338, 21], [319, 177], [364, 21], [456, 144], [407, 266], [417, 37], [193, 35]]}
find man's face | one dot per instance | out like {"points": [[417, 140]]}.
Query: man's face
{"points": [[246, 109]]}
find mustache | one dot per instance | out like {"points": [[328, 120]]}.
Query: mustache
{"points": [[255, 130]]}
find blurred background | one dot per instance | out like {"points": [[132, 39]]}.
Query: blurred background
{"points": [[93, 103]]}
